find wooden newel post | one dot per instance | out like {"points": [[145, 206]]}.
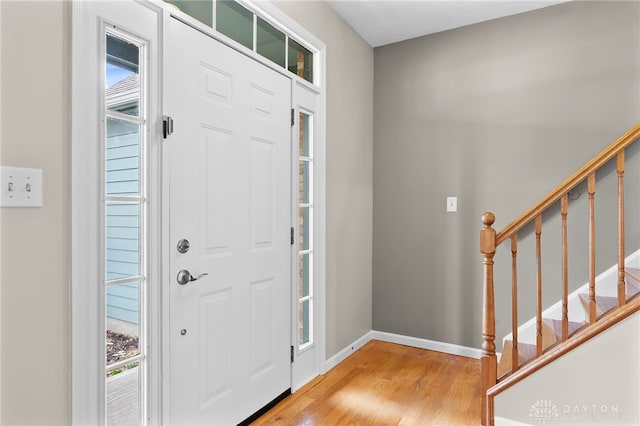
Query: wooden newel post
{"points": [[488, 360]]}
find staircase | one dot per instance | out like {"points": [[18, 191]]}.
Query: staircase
{"points": [[605, 300], [578, 307]]}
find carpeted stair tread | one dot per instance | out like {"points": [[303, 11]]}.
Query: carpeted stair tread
{"points": [[552, 328], [632, 276], [573, 327], [526, 345], [603, 303]]}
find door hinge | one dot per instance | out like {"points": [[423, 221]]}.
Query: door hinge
{"points": [[167, 126], [292, 117], [292, 354], [292, 233]]}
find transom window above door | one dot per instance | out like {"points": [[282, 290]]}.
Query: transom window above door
{"points": [[255, 32]]}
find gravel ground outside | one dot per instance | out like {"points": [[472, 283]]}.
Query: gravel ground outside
{"points": [[119, 347]]}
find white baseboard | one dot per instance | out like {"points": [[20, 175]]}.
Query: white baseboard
{"points": [[344, 353], [431, 345]]}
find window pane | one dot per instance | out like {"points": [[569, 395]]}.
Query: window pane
{"points": [[235, 22], [122, 76], [303, 228], [123, 229], [303, 312], [202, 10], [300, 61], [303, 275], [304, 174], [123, 395], [123, 321], [271, 42], [305, 134], [122, 158], [122, 236]]}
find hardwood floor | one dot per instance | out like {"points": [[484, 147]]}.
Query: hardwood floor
{"points": [[387, 384]]}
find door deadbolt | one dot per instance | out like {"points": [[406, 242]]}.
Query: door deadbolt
{"points": [[183, 245]]}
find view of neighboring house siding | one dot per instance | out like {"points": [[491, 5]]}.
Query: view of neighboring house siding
{"points": [[122, 227]]}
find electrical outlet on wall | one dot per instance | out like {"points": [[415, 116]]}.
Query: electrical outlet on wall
{"points": [[20, 187], [452, 204]]}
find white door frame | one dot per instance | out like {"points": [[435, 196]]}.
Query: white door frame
{"points": [[87, 271], [87, 330], [307, 362], [0, 209], [299, 378], [269, 11], [319, 240]]}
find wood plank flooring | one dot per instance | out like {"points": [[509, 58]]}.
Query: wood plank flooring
{"points": [[387, 384]]}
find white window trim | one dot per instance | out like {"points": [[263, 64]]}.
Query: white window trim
{"points": [[85, 207], [87, 334], [308, 360], [0, 209]]}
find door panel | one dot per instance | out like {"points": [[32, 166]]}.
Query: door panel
{"points": [[230, 197]]}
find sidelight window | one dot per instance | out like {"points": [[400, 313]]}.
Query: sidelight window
{"points": [[305, 232], [124, 243]]}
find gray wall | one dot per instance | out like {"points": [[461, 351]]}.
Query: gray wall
{"points": [[496, 114], [34, 277], [349, 170]]}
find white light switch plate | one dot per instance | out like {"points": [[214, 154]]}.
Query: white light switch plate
{"points": [[452, 204], [20, 187]]}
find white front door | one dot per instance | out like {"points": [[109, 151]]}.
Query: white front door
{"points": [[229, 196]]}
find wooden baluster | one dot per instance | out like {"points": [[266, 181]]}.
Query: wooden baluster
{"points": [[514, 302], [488, 360], [564, 203], [539, 286], [622, 293], [591, 188]]}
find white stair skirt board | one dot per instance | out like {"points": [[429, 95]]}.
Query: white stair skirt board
{"points": [[597, 383], [578, 304], [501, 421]]}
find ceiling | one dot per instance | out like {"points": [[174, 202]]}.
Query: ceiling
{"points": [[382, 22]]}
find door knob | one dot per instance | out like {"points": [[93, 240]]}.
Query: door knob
{"points": [[185, 277]]}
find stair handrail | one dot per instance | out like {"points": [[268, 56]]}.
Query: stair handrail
{"points": [[570, 183], [490, 240]]}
